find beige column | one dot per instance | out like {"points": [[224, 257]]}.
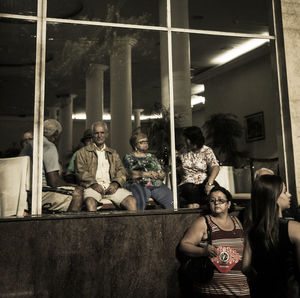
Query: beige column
{"points": [[181, 62], [53, 112], [66, 121], [137, 118], [291, 35], [121, 94], [94, 93], [165, 96]]}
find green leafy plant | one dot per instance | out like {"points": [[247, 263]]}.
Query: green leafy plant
{"points": [[222, 132]]}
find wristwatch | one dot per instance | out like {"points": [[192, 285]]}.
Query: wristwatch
{"points": [[210, 184]]}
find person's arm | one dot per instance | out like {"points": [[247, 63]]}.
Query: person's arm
{"points": [[54, 180], [192, 238], [214, 169], [294, 234], [247, 254]]}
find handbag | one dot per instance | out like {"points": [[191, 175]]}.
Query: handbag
{"points": [[200, 269]]}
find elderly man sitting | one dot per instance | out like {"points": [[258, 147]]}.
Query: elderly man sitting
{"points": [[100, 170], [55, 199]]}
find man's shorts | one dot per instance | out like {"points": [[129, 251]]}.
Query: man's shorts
{"points": [[116, 198], [57, 201]]}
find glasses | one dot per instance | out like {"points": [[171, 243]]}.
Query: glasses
{"points": [[213, 201], [143, 142]]}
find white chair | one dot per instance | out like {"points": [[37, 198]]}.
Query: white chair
{"points": [[225, 178], [14, 183]]}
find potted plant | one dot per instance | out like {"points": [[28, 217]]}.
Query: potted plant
{"points": [[222, 133]]}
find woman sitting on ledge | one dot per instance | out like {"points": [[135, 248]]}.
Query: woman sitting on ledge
{"points": [[146, 175], [200, 169]]}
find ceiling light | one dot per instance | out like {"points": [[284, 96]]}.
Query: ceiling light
{"points": [[82, 116], [239, 50], [197, 88], [196, 99]]}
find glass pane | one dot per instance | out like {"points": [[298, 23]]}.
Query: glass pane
{"points": [[112, 74], [233, 101], [249, 16], [17, 68], [24, 7], [142, 12]]}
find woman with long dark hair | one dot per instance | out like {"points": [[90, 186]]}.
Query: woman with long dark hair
{"points": [[272, 251]]}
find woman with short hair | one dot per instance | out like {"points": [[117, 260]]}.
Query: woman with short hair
{"points": [[225, 251], [199, 167], [146, 175]]}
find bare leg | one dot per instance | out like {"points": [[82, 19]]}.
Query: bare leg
{"points": [[91, 204], [129, 203], [77, 199]]}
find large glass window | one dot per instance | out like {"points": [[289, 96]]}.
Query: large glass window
{"points": [[111, 60], [144, 13], [248, 16]]}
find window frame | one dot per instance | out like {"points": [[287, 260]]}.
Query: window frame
{"points": [[39, 99]]}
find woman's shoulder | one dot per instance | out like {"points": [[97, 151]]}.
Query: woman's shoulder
{"points": [[205, 148], [200, 223], [294, 231]]}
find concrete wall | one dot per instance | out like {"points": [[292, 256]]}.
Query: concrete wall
{"points": [[118, 255], [291, 35]]}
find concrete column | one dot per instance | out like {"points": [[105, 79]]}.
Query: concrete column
{"points": [[94, 93], [181, 62], [291, 35], [65, 119], [53, 112], [137, 118], [121, 95], [165, 94]]}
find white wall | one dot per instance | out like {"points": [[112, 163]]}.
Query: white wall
{"points": [[245, 90]]}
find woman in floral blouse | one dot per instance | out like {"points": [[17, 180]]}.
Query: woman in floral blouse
{"points": [[146, 175], [200, 169]]}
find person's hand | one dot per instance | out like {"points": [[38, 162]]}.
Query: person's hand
{"points": [[208, 188], [112, 188], [211, 251], [97, 187]]}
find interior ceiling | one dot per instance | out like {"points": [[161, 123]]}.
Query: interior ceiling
{"points": [[71, 48]]}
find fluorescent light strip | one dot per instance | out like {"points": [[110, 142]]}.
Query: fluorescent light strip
{"points": [[196, 99], [82, 116], [239, 50]]}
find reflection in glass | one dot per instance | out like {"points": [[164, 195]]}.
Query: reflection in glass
{"points": [[250, 16], [16, 84], [142, 12], [17, 69], [228, 92], [110, 74], [24, 7]]}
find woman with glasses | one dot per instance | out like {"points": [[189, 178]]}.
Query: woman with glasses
{"points": [[225, 251], [198, 168], [146, 175], [272, 250]]}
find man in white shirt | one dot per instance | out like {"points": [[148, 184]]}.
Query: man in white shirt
{"points": [[101, 172]]}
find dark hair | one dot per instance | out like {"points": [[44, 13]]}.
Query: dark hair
{"points": [[194, 134], [135, 137], [226, 193], [264, 229]]}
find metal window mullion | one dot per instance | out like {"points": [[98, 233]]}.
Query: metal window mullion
{"points": [[172, 114], [39, 99], [280, 95]]}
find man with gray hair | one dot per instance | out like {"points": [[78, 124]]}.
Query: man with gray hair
{"points": [[54, 197], [101, 172]]}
